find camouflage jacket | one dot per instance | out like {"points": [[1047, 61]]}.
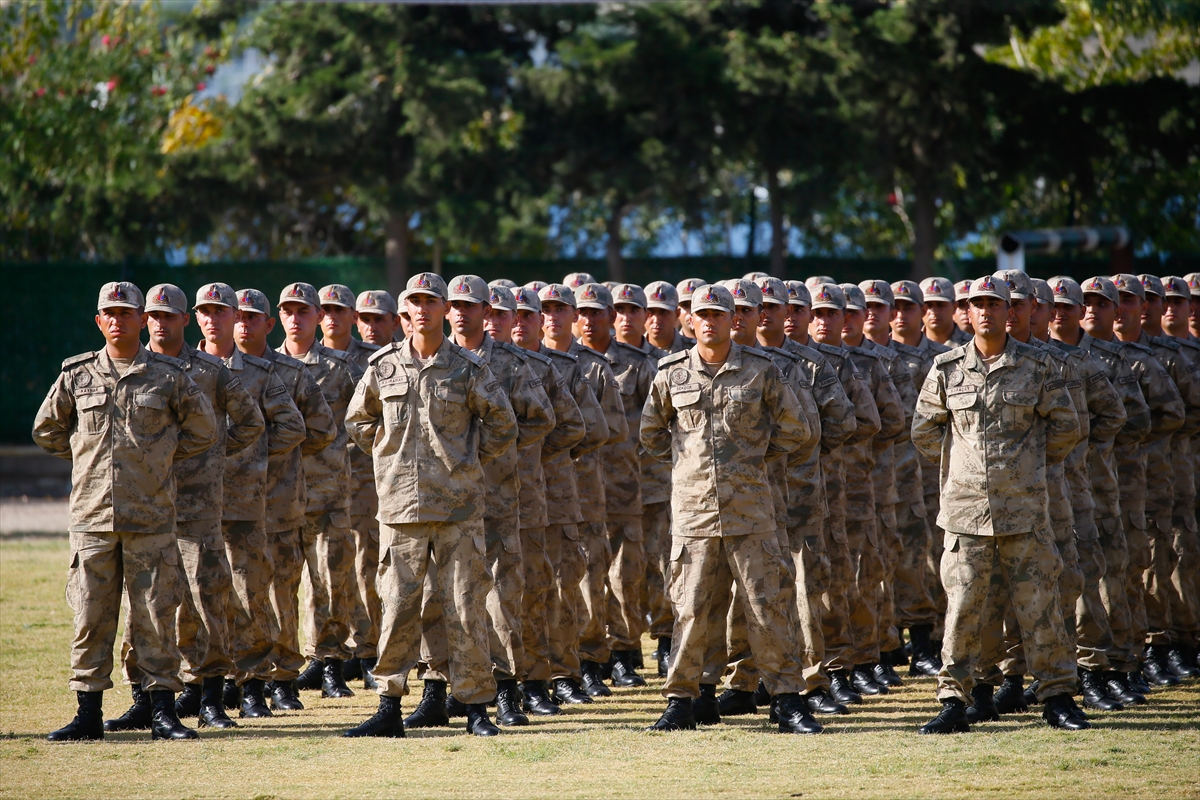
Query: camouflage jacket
{"points": [[896, 467], [327, 473], [123, 435], [720, 432], [569, 431], [635, 371], [1187, 463], [429, 430], [778, 470], [919, 360], [861, 459], [562, 488], [656, 475], [364, 502], [589, 468], [960, 337], [1162, 456], [1058, 494], [992, 434]]}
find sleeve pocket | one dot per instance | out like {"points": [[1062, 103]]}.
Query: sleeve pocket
{"points": [[148, 400]]}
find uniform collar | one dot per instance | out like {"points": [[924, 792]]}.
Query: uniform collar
{"points": [[732, 362], [311, 357], [139, 362], [1007, 358], [441, 358]]}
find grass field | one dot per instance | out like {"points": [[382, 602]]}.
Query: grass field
{"points": [[1151, 752]]}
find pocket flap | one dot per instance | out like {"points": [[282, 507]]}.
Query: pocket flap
{"points": [[745, 394], [1020, 398], [446, 392], [397, 387], [91, 400], [148, 400], [685, 399], [957, 402]]}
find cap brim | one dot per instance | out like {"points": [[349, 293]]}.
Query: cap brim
{"points": [[937, 298], [168, 309], [710, 307], [596, 304], [856, 307], [206, 303], [523, 307], [118, 305], [997, 295], [775, 301], [251, 309], [662, 305], [410, 292], [469, 298], [337, 303], [834, 306]]}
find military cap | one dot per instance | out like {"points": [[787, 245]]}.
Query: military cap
{"points": [[1017, 281], [1066, 290], [122, 294], [798, 294], [577, 279], [425, 283], [470, 288], [661, 294], [300, 293], [937, 290], [557, 293], [908, 290], [686, 286], [1193, 282], [254, 301], [336, 294], [990, 286], [1102, 286], [216, 294], [855, 299], [1151, 284], [501, 297], [536, 286], [878, 291], [962, 290], [1174, 286], [526, 299], [611, 286], [1041, 290], [629, 293], [816, 280], [773, 290], [745, 293], [828, 295], [505, 282], [375, 301], [169, 298], [1129, 284], [593, 295], [754, 276], [711, 296]]}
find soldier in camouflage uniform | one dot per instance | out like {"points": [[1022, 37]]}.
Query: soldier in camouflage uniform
{"points": [[123, 416], [962, 316], [285, 493], [721, 411], [1009, 393], [684, 289], [431, 414]]}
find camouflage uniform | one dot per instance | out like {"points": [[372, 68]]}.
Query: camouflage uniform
{"points": [[1183, 596], [123, 434], [429, 429]]}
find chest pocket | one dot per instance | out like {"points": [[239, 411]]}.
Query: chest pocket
{"points": [[93, 412], [448, 408], [689, 412], [394, 397], [743, 411], [964, 407], [1018, 409], [150, 415]]}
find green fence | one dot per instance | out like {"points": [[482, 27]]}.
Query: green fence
{"points": [[57, 301]]}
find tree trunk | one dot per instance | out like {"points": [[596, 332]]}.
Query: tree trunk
{"points": [[778, 235], [753, 225], [612, 247], [437, 256], [395, 251], [924, 230]]}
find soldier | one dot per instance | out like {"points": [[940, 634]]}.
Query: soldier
{"points": [[998, 388], [937, 312], [431, 414], [684, 289], [124, 416], [377, 319], [721, 412], [962, 313], [662, 316], [1193, 282]]}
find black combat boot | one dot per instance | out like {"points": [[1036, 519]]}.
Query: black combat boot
{"points": [[253, 702], [431, 711], [385, 722], [732, 703], [663, 655], [163, 723], [862, 677], [952, 719], [566, 690], [537, 700], [212, 705], [1060, 713], [188, 702], [478, 722], [885, 675], [368, 673], [137, 718], [1118, 688], [312, 675], [1010, 697], [352, 669], [231, 695], [1030, 694], [841, 690], [1137, 682], [984, 707], [593, 684], [284, 696], [1179, 659], [925, 659], [705, 709], [332, 682], [792, 714], [623, 671], [1155, 667], [1091, 683], [638, 658], [761, 696], [455, 708], [88, 724], [820, 702], [508, 704], [677, 717]]}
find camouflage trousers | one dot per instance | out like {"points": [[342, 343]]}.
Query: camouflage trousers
{"points": [[251, 639], [535, 604], [328, 551], [933, 504], [287, 561], [704, 570], [565, 551], [200, 620], [102, 565], [456, 551], [1170, 582], [593, 612], [364, 600], [891, 551], [1138, 538], [656, 527], [914, 603], [837, 598], [1185, 580], [1093, 635], [626, 584], [862, 537], [976, 570], [1124, 655]]}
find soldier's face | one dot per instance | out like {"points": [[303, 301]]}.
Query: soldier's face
{"points": [[712, 327], [376, 328], [827, 325], [798, 320], [745, 324], [426, 312], [878, 321], [630, 321], [122, 327], [338, 320], [466, 318], [685, 323], [1129, 314], [660, 323], [405, 322], [1153, 312], [594, 323], [1175, 316], [907, 318], [1064, 320], [1039, 317], [1018, 317], [989, 315], [299, 321], [1194, 314], [499, 324], [527, 328], [251, 331], [852, 323], [216, 322], [772, 323], [166, 329], [1099, 315], [938, 315], [962, 315], [558, 319]]}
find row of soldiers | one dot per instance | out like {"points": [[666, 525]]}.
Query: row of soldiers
{"points": [[482, 507]]}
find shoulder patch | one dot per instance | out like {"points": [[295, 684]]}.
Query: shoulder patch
{"points": [[1055, 385], [75, 361], [1095, 379], [381, 352], [672, 359], [275, 391], [236, 383], [520, 352]]}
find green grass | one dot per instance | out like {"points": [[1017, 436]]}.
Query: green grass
{"points": [[602, 751]]}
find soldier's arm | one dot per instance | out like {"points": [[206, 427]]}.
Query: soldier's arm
{"points": [[609, 395], [1138, 420], [837, 415], [891, 413], [365, 411], [246, 422], [789, 429], [319, 425], [657, 416], [807, 404], [930, 418], [1187, 381], [1058, 410], [1166, 406], [907, 391], [569, 428], [52, 425], [285, 423], [866, 413], [497, 422], [535, 417], [197, 422], [596, 423], [1105, 410]]}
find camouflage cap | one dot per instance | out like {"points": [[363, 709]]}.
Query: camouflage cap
{"points": [[710, 296], [878, 291], [937, 290], [1041, 291], [469, 288], [1102, 286], [855, 299], [216, 294], [122, 294], [254, 301], [1017, 281], [1193, 282], [1151, 284], [375, 301], [429, 283], [1174, 286], [611, 286], [754, 276], [167, 297], [962, 290], [661, 294], [557, 293], [828, 295], [773, 290], [501, 298], [335, 294], [816, 280], [526, 299], [687, 287], [629, 293], [1129, 284], [505, 282], [593, 295], [300, 293], [745, 293], [577, 279], [990, 286], [536, 286], [1065, 290], [908, 290], [798, 294]]}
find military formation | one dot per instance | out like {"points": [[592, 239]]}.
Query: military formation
{"points": [[795, 488]]}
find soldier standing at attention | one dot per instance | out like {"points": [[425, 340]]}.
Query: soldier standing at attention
{"points": [[994, 413], [962, 314], [662, 317], [937, 311], [684, 289], [430, 414], [377, 320], [124, 417]]}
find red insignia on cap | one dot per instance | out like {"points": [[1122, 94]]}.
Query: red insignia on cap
{"points": [[118, 293], [462, 287], [423, 280], [824, 295], [986, 283], [161, 297], [331, 295], [738, 291], [903, 289], [627, 291], [551, 292], [1060, 288], [1011, 284], [873, 289], [765, 288], [658, 294], [493, 297], [1095, 284], [1146, 283], [296, 291], [212, 293], [934, 288], [369, 300], [589, 293]]}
